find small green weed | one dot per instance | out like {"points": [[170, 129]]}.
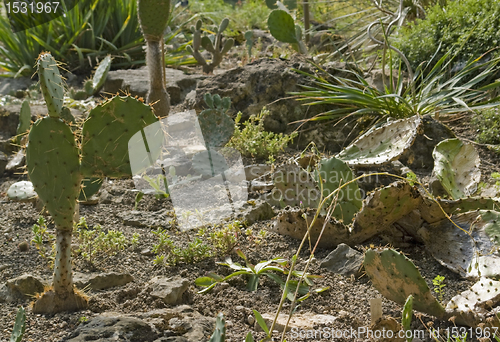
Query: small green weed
{"points": [[439, 284], [487, 124], [40, 235], [253, 141], [268, 268], [95, 242]]}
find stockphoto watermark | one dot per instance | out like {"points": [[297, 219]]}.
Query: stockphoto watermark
{"points": [[329, 333]]}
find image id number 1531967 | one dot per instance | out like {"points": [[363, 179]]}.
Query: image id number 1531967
{"points": [[29, 7]]}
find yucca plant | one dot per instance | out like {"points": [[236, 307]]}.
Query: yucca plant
{"points": [[427, 92]]}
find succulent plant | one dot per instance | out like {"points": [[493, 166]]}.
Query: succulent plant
{"points": [[384, 206], [216, 126], [101, 73], [383, 144], [22, 191], [219, 334], [334, 173], [396, 278], [90, 186], [470, 307], [24, 120], [154, 17], [54, 168], [456, 165], [19, 326], [466, 250], [407, 315], [283, 28], [215, 48]]}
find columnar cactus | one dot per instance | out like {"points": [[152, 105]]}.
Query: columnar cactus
{"points": [[153, 18], [216, 49], [53, 162], [219, 334]]}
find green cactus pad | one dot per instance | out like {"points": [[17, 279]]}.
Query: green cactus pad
{"points": [[90, 186], [22, 191], [431, 212], [215, 125], [209, 163], [67, 116], [53, 167], [219, 334], [396, 277], [153, 17], [294, 186], [471, 306], [384, 206], [282, 26], [106, 134], [407, 315], [456, 165], [24, 118], [100, 75], [335, 172], [51, 83], [467, 255], [382, 144]]}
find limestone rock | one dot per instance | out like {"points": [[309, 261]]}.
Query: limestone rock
{"points": [[101, 281], [343, 260], [169, 290]]}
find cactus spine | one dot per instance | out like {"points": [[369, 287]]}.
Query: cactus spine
{"points": [[153, 18], [216, 49]]}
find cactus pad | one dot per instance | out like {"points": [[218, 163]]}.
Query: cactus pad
{"points": [[431, 212], [294, 186], [216, 126], [209, 163], [467, 255], [471, 306], [396, 277], [153, 17], [51, 83], [53, 167], [387, 205], [282, 26], [383, 144], [456, 165], [90, 186], [21, 191], [24, 118], [100, 75], [106, 134], [335, 172]]}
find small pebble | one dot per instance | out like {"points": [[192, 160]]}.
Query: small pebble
{"points": [[23, 246], [250, 320]]}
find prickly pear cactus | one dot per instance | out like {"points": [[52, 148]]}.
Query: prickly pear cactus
{"points": [[19, 326], [384, 206], [383, 144], [431, 212], [407, 315], [54, 168], [209, 163], [467, 255], [219, 334], [24, 119], [153, 17], [283, 28], [334, 173], [106, 134], [51, 83], [100, 75], [472, 306], [294, 186], [22, 191], [67, 116], [90, 186], [216, 126], [456, 165], [396, 277]]}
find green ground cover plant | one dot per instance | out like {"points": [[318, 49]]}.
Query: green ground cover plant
{"points": [[487, 125]]}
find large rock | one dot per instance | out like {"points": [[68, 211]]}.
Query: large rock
{"points": [[101, 281], [169, 290], [24, 286], [343, 260], [113, 327], [136, 82]]}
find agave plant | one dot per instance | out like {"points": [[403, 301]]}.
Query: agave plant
{"points": [[427, 92]]}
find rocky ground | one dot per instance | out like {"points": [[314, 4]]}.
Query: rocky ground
{"points": [[132, 299]]}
